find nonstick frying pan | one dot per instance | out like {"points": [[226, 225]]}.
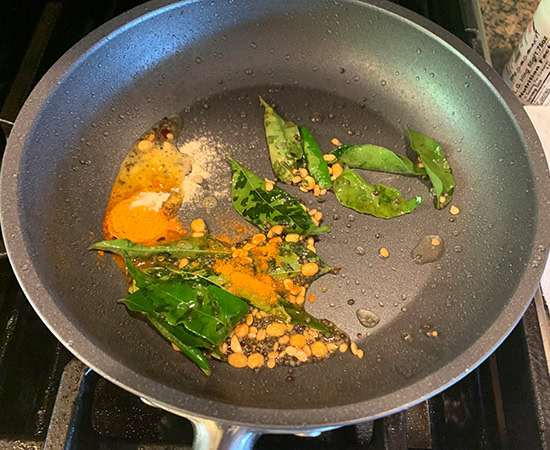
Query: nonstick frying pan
{"points": [[355, 70]]}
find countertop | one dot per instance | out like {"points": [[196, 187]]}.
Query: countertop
{"points": [[505, 21]]}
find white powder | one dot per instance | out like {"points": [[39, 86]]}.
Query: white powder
{"points": [[152, 200], [207, 166]]}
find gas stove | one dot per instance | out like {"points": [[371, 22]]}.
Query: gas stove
{"points": [[49, 399]]}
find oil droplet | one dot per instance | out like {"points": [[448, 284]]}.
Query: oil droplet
{"points": [[428, 250], [466, 85], [457, 248], [209, 202], [360, 251], [316, 117], [382, 82], [367, 318], [198, 59], [419, 50], [351, 301], [253, 45]]}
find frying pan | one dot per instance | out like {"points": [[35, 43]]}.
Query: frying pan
{"points": [[355, 70]]}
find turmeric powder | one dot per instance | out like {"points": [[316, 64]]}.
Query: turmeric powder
{"points": [[141, 224], [244, 282]]}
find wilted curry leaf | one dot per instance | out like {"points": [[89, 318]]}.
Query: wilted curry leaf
{"points": [[380, 159], [437, 166], [283, 140], [375, 199], [268, 208]]}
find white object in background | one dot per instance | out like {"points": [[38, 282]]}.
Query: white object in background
{"points": [[540, 116], [528, 70]]}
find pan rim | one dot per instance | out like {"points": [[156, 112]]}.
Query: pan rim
{"points": [[252, 417]]}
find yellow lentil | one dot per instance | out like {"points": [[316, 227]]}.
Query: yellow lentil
{"points": [[237, 360]]}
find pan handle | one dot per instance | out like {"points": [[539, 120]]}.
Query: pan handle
{"points": [[210, 435]]}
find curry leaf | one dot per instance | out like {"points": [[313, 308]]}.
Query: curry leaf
{"points": [[374, 157], [437, 166], [283, 140], [376, 199], [299, 316], [316, 165], [176, 336], [292, 256], [268, 208], [187, 247]]}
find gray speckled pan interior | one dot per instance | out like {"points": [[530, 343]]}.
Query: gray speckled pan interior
{"points": [[358, 71]]}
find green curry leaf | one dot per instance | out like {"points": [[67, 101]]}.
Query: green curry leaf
{"points": [[437, 166], [283, 140], [187, 247], [268, 208], [374, 157], [178, 336], [299, 316], [316, 165], [375, 199]]}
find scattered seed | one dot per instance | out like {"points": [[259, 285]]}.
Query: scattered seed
{"points": [[255, 360], [241, 330], [331, 347], [384, 252], [328, 157], [261, 335], [309, 269], [284, 339], [183, 262], [145, 145], [292, 237], [343, 348], [335, 142], [290, 350], [237, 360], [301, 356], [337, 170], [249, 319], [270, 363], [435, 241], [319, 349], [236, 345], [454, 210], [258, 239], [359, 353], [353, 348], [269, 186], [176, 348], [276, 329], [298, 340], [198, 226], [442, 199]]}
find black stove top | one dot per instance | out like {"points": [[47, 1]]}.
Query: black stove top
{"points": [[49, 399]]}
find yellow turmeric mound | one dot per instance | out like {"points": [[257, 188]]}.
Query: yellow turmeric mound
{"points": [[140, 224], [244, 282]]}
